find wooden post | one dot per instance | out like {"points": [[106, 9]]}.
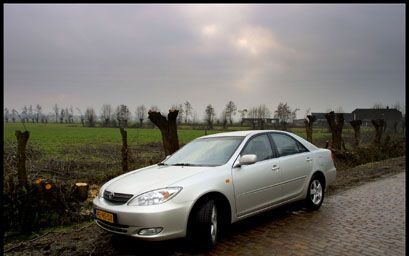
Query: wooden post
{"points": [[124, 149], [22, 138], [168, 129]]}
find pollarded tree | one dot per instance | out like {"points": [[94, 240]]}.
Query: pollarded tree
{"points": [[168, 129], [209, 116], [335, 123]]}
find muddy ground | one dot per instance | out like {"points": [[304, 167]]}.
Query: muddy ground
{"points": [[88, 239]]}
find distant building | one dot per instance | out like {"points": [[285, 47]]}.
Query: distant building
{"points": [[390, 115]]}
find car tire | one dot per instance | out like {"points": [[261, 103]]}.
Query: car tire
{"points": [[315, 193], [204, 226]]}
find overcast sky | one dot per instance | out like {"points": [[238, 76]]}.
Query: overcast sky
{"points": [[311, 56]]}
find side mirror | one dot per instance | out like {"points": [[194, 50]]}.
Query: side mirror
{"points": [[247, 160]]}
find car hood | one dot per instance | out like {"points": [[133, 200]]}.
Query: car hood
{"points": [[151, 178]]}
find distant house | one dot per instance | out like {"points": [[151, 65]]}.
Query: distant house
{"points": [[390, 115]]}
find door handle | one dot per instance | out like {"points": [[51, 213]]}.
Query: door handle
{"points": [[309, 159], [275, 168]]}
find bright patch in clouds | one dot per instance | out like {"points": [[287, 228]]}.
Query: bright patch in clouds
{"points": [[257, 41], [209, 30]]}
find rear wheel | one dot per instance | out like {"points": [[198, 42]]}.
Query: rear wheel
{"points": [[203, 228], [315, 194]]}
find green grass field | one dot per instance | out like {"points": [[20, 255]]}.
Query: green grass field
{"points": [[52, 136]]}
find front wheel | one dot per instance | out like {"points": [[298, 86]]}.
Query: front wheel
{"points": [[204, 226], [315, 194]]}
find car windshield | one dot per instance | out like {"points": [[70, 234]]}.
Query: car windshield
{"points": [[205, 152]]}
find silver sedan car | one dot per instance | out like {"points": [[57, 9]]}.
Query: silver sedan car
{"points": [[213, 181]]}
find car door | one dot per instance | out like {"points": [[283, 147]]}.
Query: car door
{"points": [[294, 164], [255, 184]]}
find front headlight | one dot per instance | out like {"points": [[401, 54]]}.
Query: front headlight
{"points": [[154, 197]]}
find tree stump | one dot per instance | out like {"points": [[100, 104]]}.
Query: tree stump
{"points": [[22, 138], [81, 191], [124, 150], [309, 121], [356, 125], [335, 123], [168, 129], [380, 127]]}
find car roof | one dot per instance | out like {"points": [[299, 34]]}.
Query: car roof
{"points": [[239, 133]]}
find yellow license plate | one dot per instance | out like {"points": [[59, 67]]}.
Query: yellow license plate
{"points": [[106, 216]]}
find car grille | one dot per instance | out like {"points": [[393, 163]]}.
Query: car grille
{"points": [[116, 198], [113, 227]]}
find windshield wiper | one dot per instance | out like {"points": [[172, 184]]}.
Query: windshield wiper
{"points": [[184, 164], [162, 164]]}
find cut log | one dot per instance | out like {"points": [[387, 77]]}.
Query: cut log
{"points": [[81, 191], [168, 129]]}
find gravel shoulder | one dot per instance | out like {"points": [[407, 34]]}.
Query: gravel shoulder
{"points": [[88, 239]]}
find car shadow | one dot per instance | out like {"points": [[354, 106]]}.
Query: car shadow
{"points": [[122, 245]]}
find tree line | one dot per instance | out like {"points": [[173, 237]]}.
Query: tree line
{"points": [[121, 116]]}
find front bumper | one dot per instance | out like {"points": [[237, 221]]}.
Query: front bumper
{"points": [[129, 220]]}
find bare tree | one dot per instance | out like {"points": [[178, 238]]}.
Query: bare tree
{"points": [[90, 117], [154, 108], [378, 105], [188, 111], [56, 111], [106, 114], [82, 117], [122, 115], [62, 114], [24, 114], [230, 110], [141, 114], [283, 113], [224, 119], [38, 112], [209, 116], [31, 113], [14, 115], [6, 115], [71, 115], [261, 113], [243, 113]]}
